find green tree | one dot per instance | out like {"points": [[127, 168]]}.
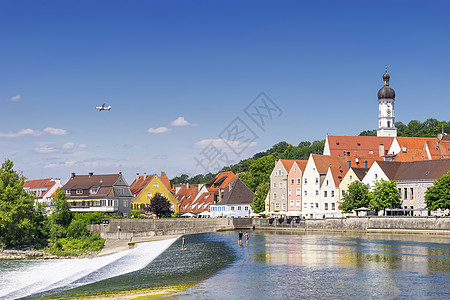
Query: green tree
{"points": [[438, 195], [18, 217], [259, 172], [258, 205], [384, 195], [77, 229], [357, 196], [160, 206], [61, 213]]}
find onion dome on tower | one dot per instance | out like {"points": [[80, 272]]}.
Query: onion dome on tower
{"points": [[386, 91]]}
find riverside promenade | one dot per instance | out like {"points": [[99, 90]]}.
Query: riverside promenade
{"points": [[136, 230]]}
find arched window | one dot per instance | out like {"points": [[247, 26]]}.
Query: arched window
{"points": [[389, 123]]}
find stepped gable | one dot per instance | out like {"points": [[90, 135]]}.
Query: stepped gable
{"points": [[185, 197], [239, 193], [202, 203]]}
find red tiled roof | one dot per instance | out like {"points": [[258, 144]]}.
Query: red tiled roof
{"points": [[139, 183], [46, 183], [439, 149], [301, 163], [357, 145], [221, 181]]}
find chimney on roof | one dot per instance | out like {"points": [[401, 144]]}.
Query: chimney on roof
{"points": [[73, 175], [187, 185], [365, 164], [349, 164], [219, 198], [137, 176], [145, 175], [200, 186], [163, 174], [229, 186], [381, 150], [91, 173]]}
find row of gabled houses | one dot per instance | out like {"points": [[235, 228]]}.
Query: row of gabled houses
{"points": [[223, 196], [314, 188]]}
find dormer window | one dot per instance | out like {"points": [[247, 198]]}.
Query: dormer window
{"points": [[79, 191], [93, 190], [68, 192]]}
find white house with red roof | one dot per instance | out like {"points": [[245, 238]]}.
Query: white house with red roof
{"points": [[42, 189]]}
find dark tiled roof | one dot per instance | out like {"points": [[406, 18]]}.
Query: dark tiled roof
{"points": [[360, 172], [239, 194], [91, 181], [415, 170]]}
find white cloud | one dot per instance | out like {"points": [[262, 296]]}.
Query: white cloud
{"points": [[32, 132], [179, 122], [82, 145], [55, 131], [48, 149], [22, 132], [15, 98], [67, 164], [68, 145], [159, 130], [225, 145]]}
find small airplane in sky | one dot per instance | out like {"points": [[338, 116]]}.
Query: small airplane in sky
{"points": [[100, 108]]}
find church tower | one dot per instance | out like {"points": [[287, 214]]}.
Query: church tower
{"points": [[386, 99]]}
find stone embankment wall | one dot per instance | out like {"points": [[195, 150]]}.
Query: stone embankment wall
{"points": [[361, 224], [126, 229]]}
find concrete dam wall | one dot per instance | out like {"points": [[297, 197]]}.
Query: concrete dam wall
{"points": [[126, 229]]}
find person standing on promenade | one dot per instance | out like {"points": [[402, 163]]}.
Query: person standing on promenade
{"points": [[183, 243], [240, 238]]}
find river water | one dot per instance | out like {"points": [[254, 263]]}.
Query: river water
{"points": [[273, 265]]}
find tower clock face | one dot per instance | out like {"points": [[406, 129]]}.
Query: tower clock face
{"points": [[388, 111]]}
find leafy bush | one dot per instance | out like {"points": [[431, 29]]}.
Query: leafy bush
{"points": [[77, 229], [57, 231], [90, 218]]}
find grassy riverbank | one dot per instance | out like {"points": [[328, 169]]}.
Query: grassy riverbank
{"points": [[141, 293]]}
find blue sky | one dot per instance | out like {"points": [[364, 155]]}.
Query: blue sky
{"points": [[179, 73]]}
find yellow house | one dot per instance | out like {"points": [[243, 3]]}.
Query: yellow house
{"points": [[146, 186], [351, 175]]}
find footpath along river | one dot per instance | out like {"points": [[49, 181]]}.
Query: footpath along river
{"points": [[273, 265]]}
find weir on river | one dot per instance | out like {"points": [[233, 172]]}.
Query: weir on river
{"points": [[23, 278]]}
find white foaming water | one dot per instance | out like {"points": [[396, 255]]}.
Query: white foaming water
{"points": [[37, 277]]}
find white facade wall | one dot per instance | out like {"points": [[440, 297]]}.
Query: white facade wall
{"points": [[311, 190], [375, 173], [329, 198], [231, 211]]}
